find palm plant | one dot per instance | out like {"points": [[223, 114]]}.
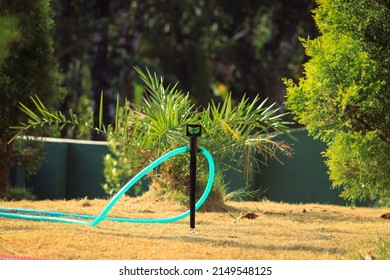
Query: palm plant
{"points": [[235, 134], [147, 131]]}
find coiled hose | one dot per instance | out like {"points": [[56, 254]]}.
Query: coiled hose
{"points": [[63, 217]]}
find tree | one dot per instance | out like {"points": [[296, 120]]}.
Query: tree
{"points": [[212, 47], [28, 69], [344, 97], [247, 46]]}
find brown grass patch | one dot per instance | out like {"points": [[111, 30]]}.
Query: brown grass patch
{"points": [[279, 232]]}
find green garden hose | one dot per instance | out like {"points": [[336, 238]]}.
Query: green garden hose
{"points": [[63, 217]]}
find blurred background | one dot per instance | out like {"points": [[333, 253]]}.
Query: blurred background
{"points": [[210, 47]]}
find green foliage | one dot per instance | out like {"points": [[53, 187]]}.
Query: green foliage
{"points": [[20, 193], [145, 131], [384, 202], [343, 98], [361, 160], [8, 33], [28, 68], [157, 125], [28, 154]]}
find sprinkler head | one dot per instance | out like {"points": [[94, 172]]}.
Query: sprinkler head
{"points": [[194, 130]]}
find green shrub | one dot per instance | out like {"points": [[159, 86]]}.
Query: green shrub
{"points": [[157, 125], [20, 193], [28, 67], [344, 97]]}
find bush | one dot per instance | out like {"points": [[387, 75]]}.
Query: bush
{"points": [[343, 98], [157, 125], [27, 68]]}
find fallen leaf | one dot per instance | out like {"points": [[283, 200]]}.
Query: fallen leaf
{"points": [[386, 216], [250, 216]]}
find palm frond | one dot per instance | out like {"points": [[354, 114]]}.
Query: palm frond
{"points": [[43, 117]]}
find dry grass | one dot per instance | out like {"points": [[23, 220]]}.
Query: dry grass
{"points": [[281, 231]]}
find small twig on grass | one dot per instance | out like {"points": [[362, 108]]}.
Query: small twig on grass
{"points": [[10, 251], [231, 215]]}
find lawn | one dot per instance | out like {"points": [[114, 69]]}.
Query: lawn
{"points": [[277, 231]]}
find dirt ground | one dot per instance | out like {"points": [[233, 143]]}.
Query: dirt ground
{"points": [[243, 230]]}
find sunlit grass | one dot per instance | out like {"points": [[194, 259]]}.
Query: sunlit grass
{"points": [[281, 231]]}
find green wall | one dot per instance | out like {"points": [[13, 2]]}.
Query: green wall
{"points": [[74, 169], [303, 178]]}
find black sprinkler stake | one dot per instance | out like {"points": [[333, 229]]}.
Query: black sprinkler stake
{"points": [[193, 131]]}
